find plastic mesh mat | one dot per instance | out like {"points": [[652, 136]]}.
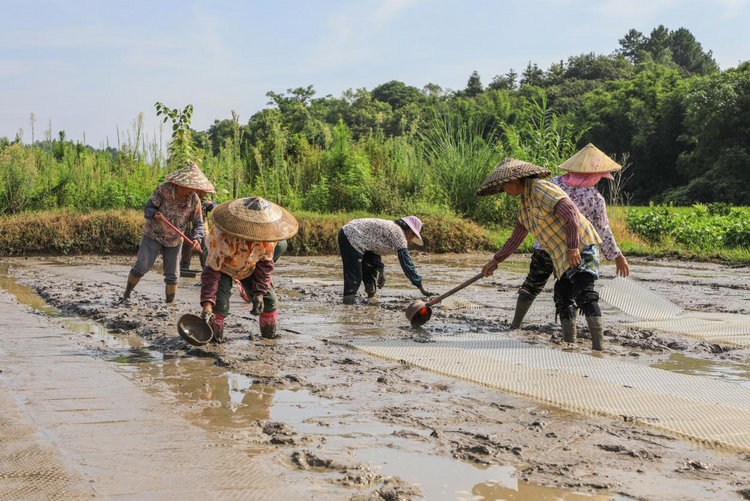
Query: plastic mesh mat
{"points": [[658, 313], [702, 409], [637, 301], [458, 303]]}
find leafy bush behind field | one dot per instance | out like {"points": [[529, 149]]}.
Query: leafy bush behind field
{"points": [[703, 227], [119, 232]]}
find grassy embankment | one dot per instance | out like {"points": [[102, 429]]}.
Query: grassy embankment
{"points": [[118, 232]]}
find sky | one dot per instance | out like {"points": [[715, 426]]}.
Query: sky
{"points": [[90, 66]]}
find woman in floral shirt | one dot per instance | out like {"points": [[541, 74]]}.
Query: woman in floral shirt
{"points": [[248, 235], [585, 169], [175, 201]]}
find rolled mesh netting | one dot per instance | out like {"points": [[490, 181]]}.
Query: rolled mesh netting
{"points": [[637, 301], [658, 313]]}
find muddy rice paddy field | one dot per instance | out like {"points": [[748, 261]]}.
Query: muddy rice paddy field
{"points": [[102, 399]]}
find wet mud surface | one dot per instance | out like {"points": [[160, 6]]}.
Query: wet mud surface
{"points": [[349, 426]]}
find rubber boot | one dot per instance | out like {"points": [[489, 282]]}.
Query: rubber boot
{"points": [[569, 329], [268, 325], [370, 289], [132, 282], [349, 298], [597, 332], [170, 290], [523, 304], [217, 326]]}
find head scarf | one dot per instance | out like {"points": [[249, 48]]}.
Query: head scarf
{"points": [[584, 179]]}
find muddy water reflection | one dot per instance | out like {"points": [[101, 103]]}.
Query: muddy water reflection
{"points": [[725, 370], [446, 478]]}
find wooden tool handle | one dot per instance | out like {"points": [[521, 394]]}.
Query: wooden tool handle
{"points": [[179, 232], [458, 288]]}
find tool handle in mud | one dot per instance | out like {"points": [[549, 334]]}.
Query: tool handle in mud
{"points": [[179, 232], [470, 281]]}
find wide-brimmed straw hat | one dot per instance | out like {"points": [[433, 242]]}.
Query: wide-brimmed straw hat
{"points": [[590, 160], [508, 170], [255, 219], [191, 177]]}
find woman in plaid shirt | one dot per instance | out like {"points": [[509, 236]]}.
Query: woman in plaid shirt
{"points": [[550, 216], [585, 169]]}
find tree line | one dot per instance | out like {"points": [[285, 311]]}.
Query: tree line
{"points": [[658, 103]]}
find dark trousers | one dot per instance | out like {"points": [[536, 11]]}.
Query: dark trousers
{"points": [[578, 290], [540, 269], [224, 292], [357, 267]]}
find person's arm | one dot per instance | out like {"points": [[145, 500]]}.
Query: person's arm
{"points": [[198, 229], [409, 269], [262, 276], [568, 212], [513, 244], [153, 204], [509, 247], [600, 220]]}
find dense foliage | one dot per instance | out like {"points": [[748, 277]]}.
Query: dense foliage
{"points": [[658, 103], [703, 227]]}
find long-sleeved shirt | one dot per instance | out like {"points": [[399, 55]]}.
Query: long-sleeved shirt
{"points": [[381, 236], [591, 204], [178, 213], [541, 214], [565, 209]]}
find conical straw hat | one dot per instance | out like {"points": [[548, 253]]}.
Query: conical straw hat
{"points": [[590, 160], [255, 219], [509, 170], [191, 177]]}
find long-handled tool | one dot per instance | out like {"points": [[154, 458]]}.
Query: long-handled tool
{"points": [[180, 233], [420, 312]]}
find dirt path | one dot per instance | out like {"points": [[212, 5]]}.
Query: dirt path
{"points": [[342, 423]]}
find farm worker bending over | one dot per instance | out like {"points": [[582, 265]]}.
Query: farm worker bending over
{"points": [[550, 216], [242, 246], [363, 241], [175, 201], [585, 169]]}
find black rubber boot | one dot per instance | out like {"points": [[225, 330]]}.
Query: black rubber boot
{"points": [[568, 323], [349, 298], [523, 304], [597, 332], [370, 289]]}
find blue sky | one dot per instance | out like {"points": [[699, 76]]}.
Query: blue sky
{"points": [[91, 65]]}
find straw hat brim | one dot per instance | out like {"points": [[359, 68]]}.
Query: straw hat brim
{"points": [[509, 170], [590, 160], [270, 226], [191, 177]]}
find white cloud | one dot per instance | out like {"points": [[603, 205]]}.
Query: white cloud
{"points": [[733, 8]]}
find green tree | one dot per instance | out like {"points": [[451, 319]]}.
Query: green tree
{"points": [[474, 85]]}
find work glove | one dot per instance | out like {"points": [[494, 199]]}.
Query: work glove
{"points": [[381, 278], [257, 303], [207, 316], [425, 292]]}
